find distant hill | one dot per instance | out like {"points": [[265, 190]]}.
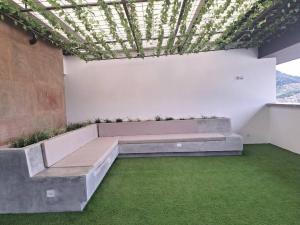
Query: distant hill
{"points": [[283, 79], [288, 88]]}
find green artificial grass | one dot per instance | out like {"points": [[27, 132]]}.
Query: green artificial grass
{"points": [[262, 187]]}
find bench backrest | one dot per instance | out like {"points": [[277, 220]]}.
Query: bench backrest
{"points": [[219, 125], [60, 146]]}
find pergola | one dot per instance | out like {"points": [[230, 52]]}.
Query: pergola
{"points": [[111, 29]]}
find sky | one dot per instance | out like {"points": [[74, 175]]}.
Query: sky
{"points": [[291, 68]]}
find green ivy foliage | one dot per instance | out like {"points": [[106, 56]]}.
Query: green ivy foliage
{"points": [[163, 21], [212, 27], [136, 29], [189, 36], [113, 26], [255, 22], [50, 18], [263, 30], [149, 19], [182, 28], [28, 23], [125, 25], [45, 134], [93, 49], [237, 26], [87, 18]]}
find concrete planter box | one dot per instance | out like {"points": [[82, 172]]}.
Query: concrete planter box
{"points": [[17, 167], [26, 185], [34, 153], [23, 190], [31, 155], [216, 125]]}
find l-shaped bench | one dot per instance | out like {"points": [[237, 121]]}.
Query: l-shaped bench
{"points": [[62, 173]]}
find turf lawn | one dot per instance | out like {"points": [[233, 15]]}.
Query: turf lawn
{"points": [[262, 187]]}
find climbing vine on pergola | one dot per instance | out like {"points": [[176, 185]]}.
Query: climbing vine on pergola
{"points": [[109, 29]]}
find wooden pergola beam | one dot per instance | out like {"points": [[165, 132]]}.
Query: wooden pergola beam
{"points": [[179, 20], [165, 37], [63, 25], [124, 4], [180, 16], [149, 55], [256, 21], [192, 23], [290, 37], [36, 19], [50, 8]]}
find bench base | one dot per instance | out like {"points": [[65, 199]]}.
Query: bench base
{"points": [[180, 154], [232, 145]]}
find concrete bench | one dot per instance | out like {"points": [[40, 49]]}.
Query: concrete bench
{"points": [[202, 137], [62, 173]]}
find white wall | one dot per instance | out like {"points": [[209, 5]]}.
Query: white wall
{"points": [[285, 126], [177, 86]]}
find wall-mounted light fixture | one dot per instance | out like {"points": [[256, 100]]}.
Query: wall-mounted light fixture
{"points": [[239, 77], [33, 40]]}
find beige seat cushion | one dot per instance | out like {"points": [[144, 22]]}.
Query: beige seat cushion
{"points": [[91, 154], [140, 139]]}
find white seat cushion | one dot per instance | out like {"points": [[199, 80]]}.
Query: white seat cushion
{"points": [[91, 154]]}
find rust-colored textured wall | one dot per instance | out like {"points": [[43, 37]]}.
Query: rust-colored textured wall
{"points": [[31, 85]]}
